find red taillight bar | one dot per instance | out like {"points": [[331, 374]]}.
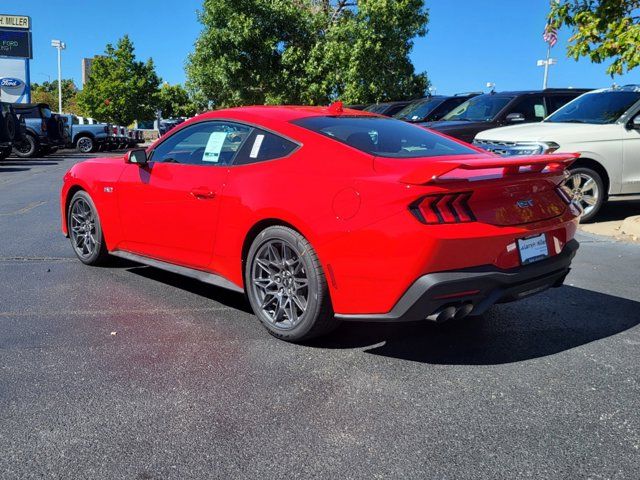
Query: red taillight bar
{"points": [[444, 208]]}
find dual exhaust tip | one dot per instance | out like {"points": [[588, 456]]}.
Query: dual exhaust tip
{"points": [[452, 312]]}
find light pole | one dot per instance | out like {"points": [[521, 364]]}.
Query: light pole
{"points": [[545, 63], [60, 46]]}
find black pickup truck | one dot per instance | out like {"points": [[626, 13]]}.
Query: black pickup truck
{"points": [[45, 131]]}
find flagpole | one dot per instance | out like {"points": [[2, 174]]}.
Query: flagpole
{"points": [[546, 68]]}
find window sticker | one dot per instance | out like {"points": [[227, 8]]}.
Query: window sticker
{"points": [[539, 109], [256, 146], [214, 147]]}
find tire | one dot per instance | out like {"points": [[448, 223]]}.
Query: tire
{"points": [[85, 144], [588, 191], [271, 288], [28, 148], [85, 230]]}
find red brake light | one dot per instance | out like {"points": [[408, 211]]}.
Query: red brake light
{"points": [[44, 125], [446, 208]]}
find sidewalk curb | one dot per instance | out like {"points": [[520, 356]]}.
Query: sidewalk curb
{"points": [[631, 226]]}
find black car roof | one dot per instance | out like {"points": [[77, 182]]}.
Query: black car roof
{"points": [[28, 106], [514, 93]]}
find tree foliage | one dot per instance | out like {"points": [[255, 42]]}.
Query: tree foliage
{"points": [[307, 51], [120, 88], [47, 92], [602, 30], [174, 101]]}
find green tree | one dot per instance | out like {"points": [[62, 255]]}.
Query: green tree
{"points": [[47, 92], [174, 101], [307, 51], [602, 30], [120, 88]]}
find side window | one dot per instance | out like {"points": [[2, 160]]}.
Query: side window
{"points": [[532, 107], [556, 101], [262, 146], [206, 143]]}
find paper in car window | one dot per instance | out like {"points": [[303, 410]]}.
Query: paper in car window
{"points": [[256, 146], [539, 109], [214, 147]]}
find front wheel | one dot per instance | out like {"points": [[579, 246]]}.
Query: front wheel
{"points": [[587, 189], [85, 230], [286, 286], [27, 148]]}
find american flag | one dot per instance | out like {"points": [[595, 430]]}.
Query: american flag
{"points": [[550, 35]]}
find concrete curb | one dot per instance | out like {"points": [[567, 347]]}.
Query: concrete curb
{"points": [[631, 226]]}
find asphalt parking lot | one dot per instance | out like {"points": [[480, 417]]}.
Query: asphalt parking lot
{"points": [[131, 372]]}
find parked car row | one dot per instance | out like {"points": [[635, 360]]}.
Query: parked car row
{"points": [[32, 130]]}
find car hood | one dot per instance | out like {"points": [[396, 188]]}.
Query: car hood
{"points": [[548, 132]]}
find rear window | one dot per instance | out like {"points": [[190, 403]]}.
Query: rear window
{"points": [[384, 137]]}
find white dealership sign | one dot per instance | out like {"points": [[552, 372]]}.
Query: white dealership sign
{"points": [[15, 21]]}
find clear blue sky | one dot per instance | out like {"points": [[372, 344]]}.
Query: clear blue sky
{"points": [[470, 42]]}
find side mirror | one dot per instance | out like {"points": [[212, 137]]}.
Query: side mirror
{"points": [[137, 155], [515, 118], [635, 123]]}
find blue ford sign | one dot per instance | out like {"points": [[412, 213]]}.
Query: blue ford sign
{"points": [[11, 82]]}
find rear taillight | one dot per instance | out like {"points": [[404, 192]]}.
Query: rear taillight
{"points": [[445, 208], [44, 125], [565, 194]]}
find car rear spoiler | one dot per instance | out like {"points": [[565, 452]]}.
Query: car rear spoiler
{"points": [[489, 168]]}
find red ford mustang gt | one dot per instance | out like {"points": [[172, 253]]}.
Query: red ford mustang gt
{"points": [[322, 215]]}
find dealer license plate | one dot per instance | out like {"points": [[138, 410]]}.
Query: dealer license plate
{"points": [[533, 249]]}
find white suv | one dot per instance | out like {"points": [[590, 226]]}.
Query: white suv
{"points": [[603, 126]]}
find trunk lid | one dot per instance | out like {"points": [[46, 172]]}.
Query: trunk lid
{"points": [[503, 191]]}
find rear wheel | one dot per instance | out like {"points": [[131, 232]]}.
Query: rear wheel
{"points": [[85, 230], [587, 189], [286, 286], [85, 145], [27, 148]]}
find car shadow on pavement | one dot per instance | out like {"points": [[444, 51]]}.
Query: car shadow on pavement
{"points": [[221, 295], [27, 163], [12, 169], [546, 324], [612, 211]]}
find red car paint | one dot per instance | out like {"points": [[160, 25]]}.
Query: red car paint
{"points": [[353, 208]]}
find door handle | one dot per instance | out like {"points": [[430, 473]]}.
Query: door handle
{"points": [[202, 194]]}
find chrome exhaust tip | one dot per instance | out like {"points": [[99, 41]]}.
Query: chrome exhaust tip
{"points": [[442, 315], [463, 310]]}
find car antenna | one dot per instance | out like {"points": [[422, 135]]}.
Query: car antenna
{"points": [[336, 108]]}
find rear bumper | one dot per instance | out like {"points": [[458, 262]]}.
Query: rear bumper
{"points": [[479, 286]]}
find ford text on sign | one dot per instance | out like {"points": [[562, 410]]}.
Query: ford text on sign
{"points": [[14, 43]]}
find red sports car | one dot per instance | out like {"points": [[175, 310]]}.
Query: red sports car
{"points": [[324, 214]]}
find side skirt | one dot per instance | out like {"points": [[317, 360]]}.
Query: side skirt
{"points": [[206, 277]]}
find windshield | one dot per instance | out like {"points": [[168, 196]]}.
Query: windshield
{"points": [[377, 108], [384, 137], [482, 108], [597, 108], [417, 111]]}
